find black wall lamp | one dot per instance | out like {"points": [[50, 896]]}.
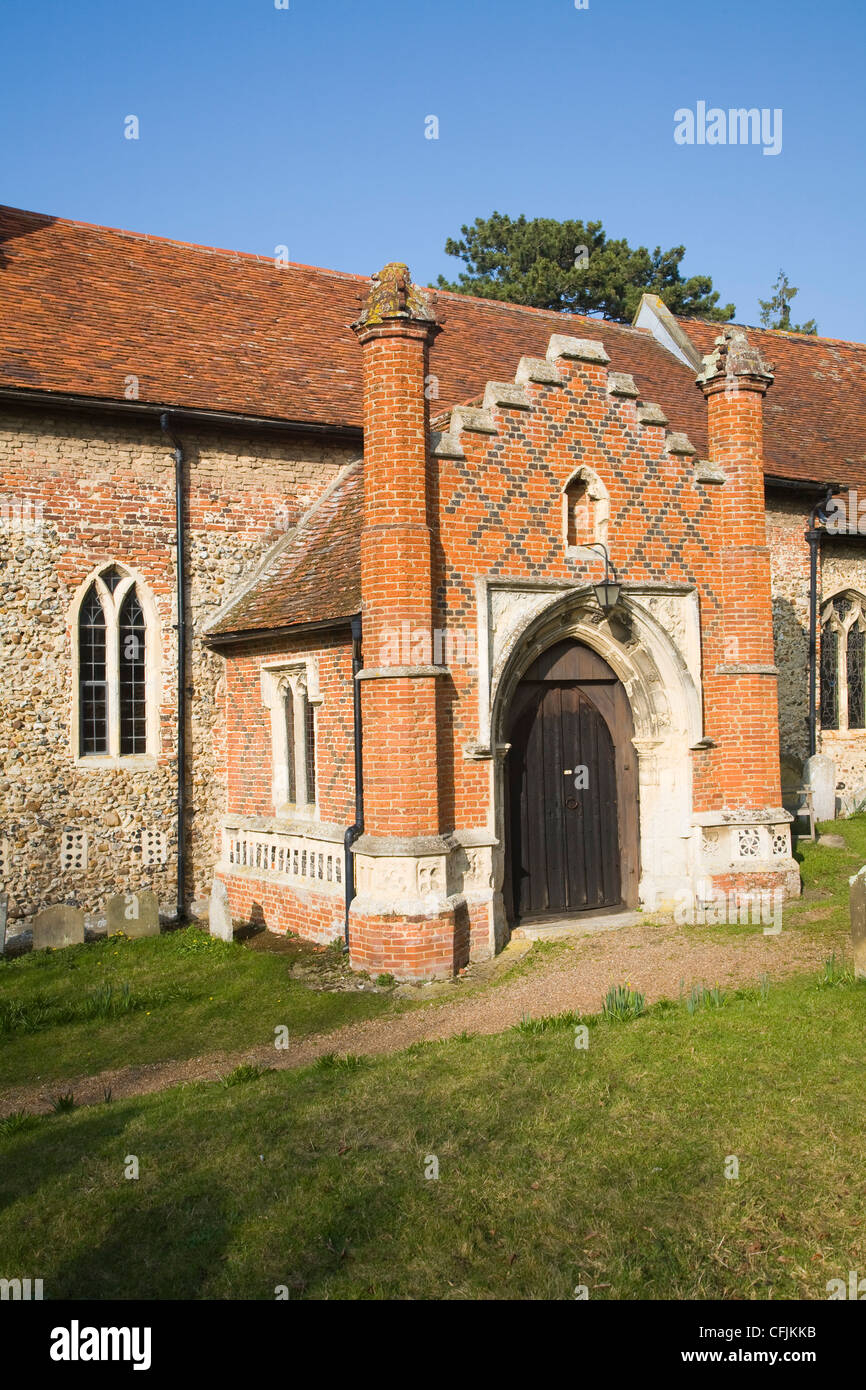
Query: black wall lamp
{"points": [[607, 593]]}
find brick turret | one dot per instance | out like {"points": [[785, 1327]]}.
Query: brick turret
{"points": [[738, 776], [401, 921], [740, 675], [399, 701]]}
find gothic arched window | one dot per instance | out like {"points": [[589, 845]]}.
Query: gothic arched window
{"points": [[93, 697], [133, 725], [290, 691], [310, 747], [114, 659], [843, 662], [289, 711]]}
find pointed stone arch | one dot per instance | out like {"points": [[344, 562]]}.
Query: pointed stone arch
{"points": [[585, 509], [112, 582], [842, 688], [666, 710]]}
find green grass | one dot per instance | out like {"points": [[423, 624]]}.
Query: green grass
{"points": [[560, 1164], [557, 1167], [124, 1003]]}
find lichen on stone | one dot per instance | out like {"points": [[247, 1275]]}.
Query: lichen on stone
{"points": [[392, 295], [733, 356]]}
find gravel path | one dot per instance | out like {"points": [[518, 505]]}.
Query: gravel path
{"points": [[653, 959]]}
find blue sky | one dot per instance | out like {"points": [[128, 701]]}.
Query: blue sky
{"points": [[305, 127]]}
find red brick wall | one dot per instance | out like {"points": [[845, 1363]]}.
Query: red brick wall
{"points": [[741, 709], [401, 775], [499, 513], [313, 916], [248, 726], [413, 948]]}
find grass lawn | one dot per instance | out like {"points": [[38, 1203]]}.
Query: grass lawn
{"points": [[123, 1003], [557, 1167], [184, 994]]}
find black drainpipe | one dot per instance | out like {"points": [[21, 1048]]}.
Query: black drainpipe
{"points": [[813, 536], [180, 627], [357, 829]]}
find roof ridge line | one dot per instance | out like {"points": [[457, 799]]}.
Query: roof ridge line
{"points": [[775, 332], [227, 251]]}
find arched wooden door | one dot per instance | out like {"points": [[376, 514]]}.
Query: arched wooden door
{"points": [[573, 788]]}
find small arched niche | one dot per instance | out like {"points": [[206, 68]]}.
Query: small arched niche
{"points": [[585, 510]]}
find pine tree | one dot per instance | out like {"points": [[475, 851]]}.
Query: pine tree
{"points": [[573, 266], [776, 311]]}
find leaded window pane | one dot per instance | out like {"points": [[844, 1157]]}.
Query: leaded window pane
{"points": [[829, 678], [290, 744], [93, 686], [133, 719], [855, 675], [310, 749]]}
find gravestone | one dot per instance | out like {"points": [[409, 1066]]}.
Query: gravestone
{"points": [[135, 914], [857, 899], [819, 773], [219, 912], [4, 909], [832, 841], [791, 770], [58, 926]]}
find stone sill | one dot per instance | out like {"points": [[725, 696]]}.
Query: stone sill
{"points": [[772, 815], [286, 825], [135, 762]]}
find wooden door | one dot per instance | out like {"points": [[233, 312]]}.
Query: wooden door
{"points": [[573, 803]]}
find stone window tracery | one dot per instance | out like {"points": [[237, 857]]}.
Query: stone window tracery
{"points": [[291, 693], [114, 648], [843, 663]]}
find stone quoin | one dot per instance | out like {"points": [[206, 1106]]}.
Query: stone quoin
{"points": [[398, 580]]}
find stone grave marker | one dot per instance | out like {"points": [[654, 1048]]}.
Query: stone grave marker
{"points": [[135, 914], [58, 926], [819, 773], [857, 899], [4, 909], [220, 914]]}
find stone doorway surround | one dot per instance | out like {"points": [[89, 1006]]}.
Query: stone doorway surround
{"points": [[653, 644], [519, 619]]}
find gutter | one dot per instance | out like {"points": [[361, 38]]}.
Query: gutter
{"points": [[813, 536], [183, 415], [180, 538], [806, 485], [269, 634], [357, 829]]}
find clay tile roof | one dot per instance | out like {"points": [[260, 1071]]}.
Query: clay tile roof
{"points": [[82, 308], [314, 574]]}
